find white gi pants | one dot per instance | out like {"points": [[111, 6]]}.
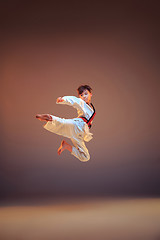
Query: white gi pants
{"points": [[73, 129]]}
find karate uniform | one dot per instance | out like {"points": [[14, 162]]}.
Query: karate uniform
{"points": [[76, 129]]}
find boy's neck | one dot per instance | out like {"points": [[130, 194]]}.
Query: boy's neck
{"points": [[89, 103]]}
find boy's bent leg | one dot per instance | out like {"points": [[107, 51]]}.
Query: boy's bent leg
{"points": [[44, 117], [80, 151]]}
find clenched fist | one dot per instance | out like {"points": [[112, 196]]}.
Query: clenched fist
{"points": [[59, 99]]}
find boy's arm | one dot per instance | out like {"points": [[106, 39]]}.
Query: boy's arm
{"points": [[71, 101]]}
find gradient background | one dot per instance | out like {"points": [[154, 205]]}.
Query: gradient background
{"points": [[47, 51]]}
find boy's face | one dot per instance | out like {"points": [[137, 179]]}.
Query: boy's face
{"points": [[86, 96]]}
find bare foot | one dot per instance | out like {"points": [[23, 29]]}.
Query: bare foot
{"points": [[44, 117], [62, 147], [38, 116]]}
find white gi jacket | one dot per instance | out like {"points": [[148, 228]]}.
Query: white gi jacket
{"points": [[75, 129]]}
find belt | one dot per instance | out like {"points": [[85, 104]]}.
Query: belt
{"points": [[90, 119]]}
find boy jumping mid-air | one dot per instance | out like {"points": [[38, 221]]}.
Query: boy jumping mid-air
{"points": [[77, 129]]}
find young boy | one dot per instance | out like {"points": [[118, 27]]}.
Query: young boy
{"points": [[77, 129]]}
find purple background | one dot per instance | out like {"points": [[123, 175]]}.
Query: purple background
{"points": [[47, 51]]}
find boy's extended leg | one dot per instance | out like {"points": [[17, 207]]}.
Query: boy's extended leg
{"points": [[44, 117]]}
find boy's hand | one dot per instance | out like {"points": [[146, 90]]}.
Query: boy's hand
{"points": [[59, 99]]}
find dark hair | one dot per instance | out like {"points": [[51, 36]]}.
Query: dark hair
{"points": [[84, 87]]}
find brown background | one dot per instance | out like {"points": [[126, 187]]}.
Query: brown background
{"points": [[47, 51]]}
